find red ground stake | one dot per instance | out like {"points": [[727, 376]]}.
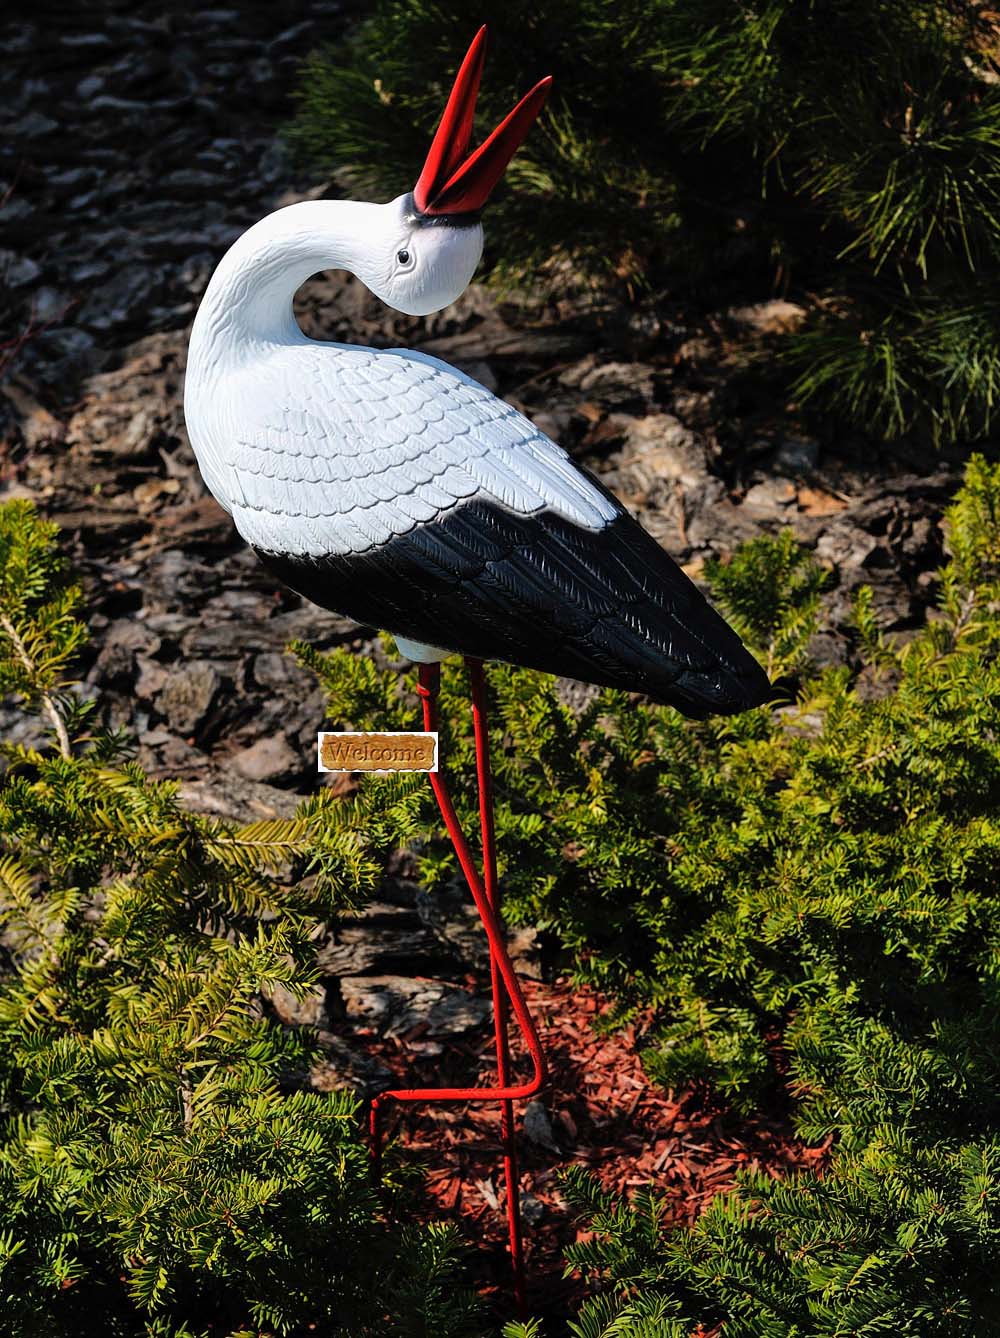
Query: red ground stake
{"points": [[501, 969]]}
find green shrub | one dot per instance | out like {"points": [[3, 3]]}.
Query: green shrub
{"points": [[805, 897], [901, 1240], [841, 149], [160, 1173]]}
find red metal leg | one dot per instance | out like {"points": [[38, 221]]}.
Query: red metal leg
{"points": [[484, 778], [502, 970]]}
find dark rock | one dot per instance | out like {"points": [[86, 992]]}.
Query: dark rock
{"points": [[480, 371], [49, 303], [187, 696], [121, 301], [875, 683], [450, 914], [577, 696], [269, 759], [362, 951], [102, 530], [657, 446], [769, 497], [73, 178], [150, 678], [622, 385], [845, 547], [279, 672], [797, 455], [33, 126], [775, 316], [123, 641], [538, 1127], [236, 799], [384, 939], [88, 272], [309, 1011], [71, 353], [345, 1067], [553, 425], [394, 1005], [189, 183], [37, 426], [19, 37], [290, 36], [923, 537], [16, 270], [828, 650], [89, 86], [89, 42]]}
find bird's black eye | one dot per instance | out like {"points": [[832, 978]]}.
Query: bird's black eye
{"points": [[403, 257]]}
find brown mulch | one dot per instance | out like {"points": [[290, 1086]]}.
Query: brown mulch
{"points": [[602, 1112]]}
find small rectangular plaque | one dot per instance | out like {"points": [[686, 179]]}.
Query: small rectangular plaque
{"points": [[392, 750]]}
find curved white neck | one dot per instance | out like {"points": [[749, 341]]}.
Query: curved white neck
{"points": [[248, 302]]}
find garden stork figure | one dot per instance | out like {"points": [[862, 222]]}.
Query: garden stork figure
{"points": [[392, 488]]}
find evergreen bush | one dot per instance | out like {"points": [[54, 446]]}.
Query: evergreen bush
{"points": [[803, 897], [846, 151], [162, 1169], [901, 1240]]}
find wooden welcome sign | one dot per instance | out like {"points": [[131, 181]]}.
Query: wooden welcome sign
{"points": [[392, 750]]}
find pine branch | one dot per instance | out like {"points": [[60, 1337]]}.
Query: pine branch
{"points": [[46, 698]]}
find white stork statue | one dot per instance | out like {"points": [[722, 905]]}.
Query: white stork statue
{"points": [[392, 488]]}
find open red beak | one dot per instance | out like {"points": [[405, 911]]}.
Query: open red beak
{"points": [[452, 183]]}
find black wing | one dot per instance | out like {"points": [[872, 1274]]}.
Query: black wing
{"points": [[604, 606]]}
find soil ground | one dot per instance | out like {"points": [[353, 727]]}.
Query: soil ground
{"points": [[598, 1111]]}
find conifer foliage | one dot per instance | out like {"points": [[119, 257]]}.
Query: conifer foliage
{"points": [[846, 152], [900, 1241], [162, 1170]]}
